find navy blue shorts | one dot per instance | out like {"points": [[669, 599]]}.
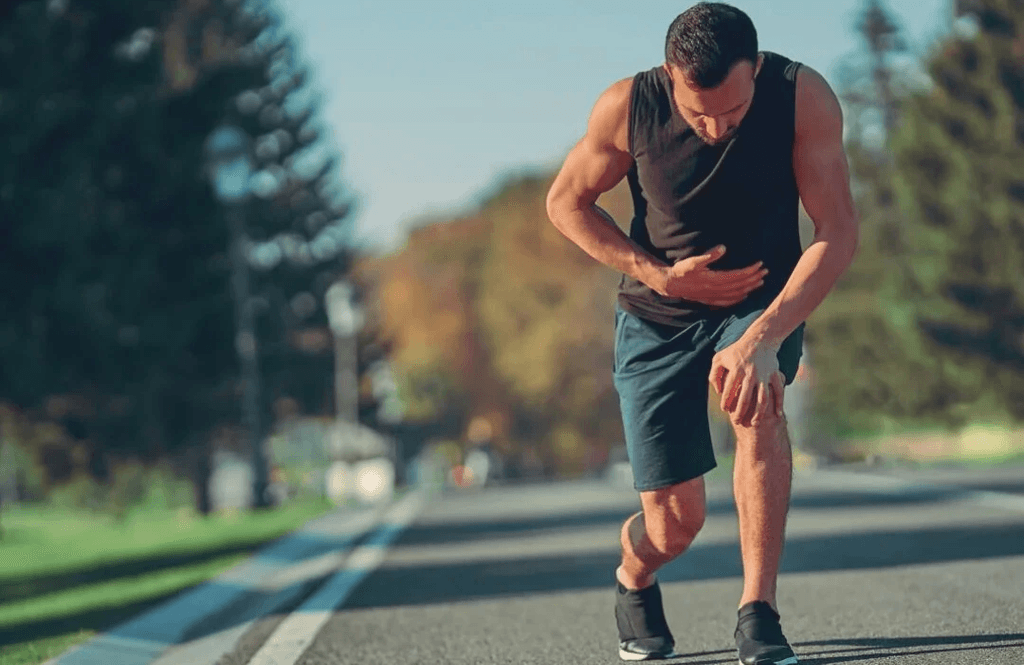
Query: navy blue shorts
{"points": [[661, 375]]}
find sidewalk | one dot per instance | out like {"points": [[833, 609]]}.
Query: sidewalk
{"points": [[213, 616]]}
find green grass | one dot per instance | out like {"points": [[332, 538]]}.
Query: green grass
{"points": [[66, 576], [38, 651]]}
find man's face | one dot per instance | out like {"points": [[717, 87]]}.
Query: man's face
{"points": [[715, 114]]}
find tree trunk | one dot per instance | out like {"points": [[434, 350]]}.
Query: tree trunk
{"points": [[201, 467], [7, 476]]}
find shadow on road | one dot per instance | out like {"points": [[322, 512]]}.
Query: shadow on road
{"points": [[827, 652], [426, 533], [510, 575], [853, 650]]}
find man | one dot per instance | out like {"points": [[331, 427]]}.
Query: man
{"points": [[719, 145]]}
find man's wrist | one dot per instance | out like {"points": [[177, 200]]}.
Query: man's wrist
{"points": [[759, 335], [652, 273]]}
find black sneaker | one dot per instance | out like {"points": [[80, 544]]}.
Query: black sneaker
{"points": [[759, 638], [643, 631]]}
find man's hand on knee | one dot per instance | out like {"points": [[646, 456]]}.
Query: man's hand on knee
{"points": [[748, 379]]}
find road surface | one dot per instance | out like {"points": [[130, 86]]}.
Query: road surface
{"points": [[918, 568], [875, 570]]}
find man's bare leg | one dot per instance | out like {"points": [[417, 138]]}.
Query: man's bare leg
{"points": [[761, 484], [670, 520]]}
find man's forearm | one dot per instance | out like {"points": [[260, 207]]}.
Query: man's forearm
{"points": [[814, 276], [596, 233]]}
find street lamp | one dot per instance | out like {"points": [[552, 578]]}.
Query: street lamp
{"points": [[229, 162], [363, 466], [345, 320]]}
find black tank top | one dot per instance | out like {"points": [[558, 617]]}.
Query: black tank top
{"points": [[689, 196]]}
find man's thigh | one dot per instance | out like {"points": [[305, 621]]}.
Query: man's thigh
{"points": [[660, 373]]}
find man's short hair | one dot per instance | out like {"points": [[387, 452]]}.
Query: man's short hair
{"points": [[706, 40]]}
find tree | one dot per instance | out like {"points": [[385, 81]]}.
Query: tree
{"points": [[115, 246], [869, 365], [299, 222], [959, 155], [497, 318]]}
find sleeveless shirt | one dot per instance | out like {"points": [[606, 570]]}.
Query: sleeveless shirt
{"points": [[689, 196]]}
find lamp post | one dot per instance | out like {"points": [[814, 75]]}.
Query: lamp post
{"points": [[345, 320], [229, 159]]}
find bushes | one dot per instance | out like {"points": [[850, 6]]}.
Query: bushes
{"points": [[131, 486]]}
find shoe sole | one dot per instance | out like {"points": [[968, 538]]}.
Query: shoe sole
{"points": [[792, 660], [633, 657]]}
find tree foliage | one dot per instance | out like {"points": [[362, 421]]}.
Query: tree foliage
{"points": [[871, 371], [498, 316], [959, 156], [925, 328], [113, 251]]}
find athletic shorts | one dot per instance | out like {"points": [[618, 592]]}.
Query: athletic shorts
{"points": [[661, 374]]}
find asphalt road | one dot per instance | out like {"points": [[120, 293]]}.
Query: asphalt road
{"points": [[919, 569]]}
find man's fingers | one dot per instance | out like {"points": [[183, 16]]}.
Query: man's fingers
{"points": [[779, 391], [763, 400], [731, 298], [737, 274], [731, 386], [737, 290], [729, 293], [746, 401], [717, 377], [713, 255], [723, 280], [752, 269], [730, 285], [714, 286]]}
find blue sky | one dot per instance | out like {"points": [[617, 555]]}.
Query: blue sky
{"points": [[431, 101]]}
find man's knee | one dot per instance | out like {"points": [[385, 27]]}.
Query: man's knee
{"points": [[674, 535], [673, 517], [766, 435]]}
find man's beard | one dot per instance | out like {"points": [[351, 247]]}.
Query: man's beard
{"points": [[725, 138]]}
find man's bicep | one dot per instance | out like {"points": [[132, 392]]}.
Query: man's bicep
{"points": [[601, 158], [590, 170], [819, 158]]}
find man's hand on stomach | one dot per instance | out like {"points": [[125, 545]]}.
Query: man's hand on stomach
{"points": [[692, 279]]}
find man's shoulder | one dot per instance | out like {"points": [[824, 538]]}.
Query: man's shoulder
{"points": [[653, 81], [649, 95], [780, 66]]}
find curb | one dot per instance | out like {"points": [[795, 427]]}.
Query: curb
{"points": [[212, 616]]}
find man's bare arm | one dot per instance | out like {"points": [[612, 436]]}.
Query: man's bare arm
{"points": [[823, 179], [596, 164]]}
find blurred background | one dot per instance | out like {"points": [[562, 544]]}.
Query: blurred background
{"points": [[261, 259]]}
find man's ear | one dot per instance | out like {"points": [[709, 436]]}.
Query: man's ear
{"points": [[760, 61]]}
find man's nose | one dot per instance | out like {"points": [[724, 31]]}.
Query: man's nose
{"points": [[716, 128]]}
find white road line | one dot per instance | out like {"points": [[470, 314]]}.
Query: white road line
{"points": [[291, 639], [155, 637]]}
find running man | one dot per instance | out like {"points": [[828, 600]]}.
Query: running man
{"points": [[719, 146]]}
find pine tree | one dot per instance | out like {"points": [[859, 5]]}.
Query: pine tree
{"points": [[959, 158], [856, 346], [299, 219], [112, 243]]}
